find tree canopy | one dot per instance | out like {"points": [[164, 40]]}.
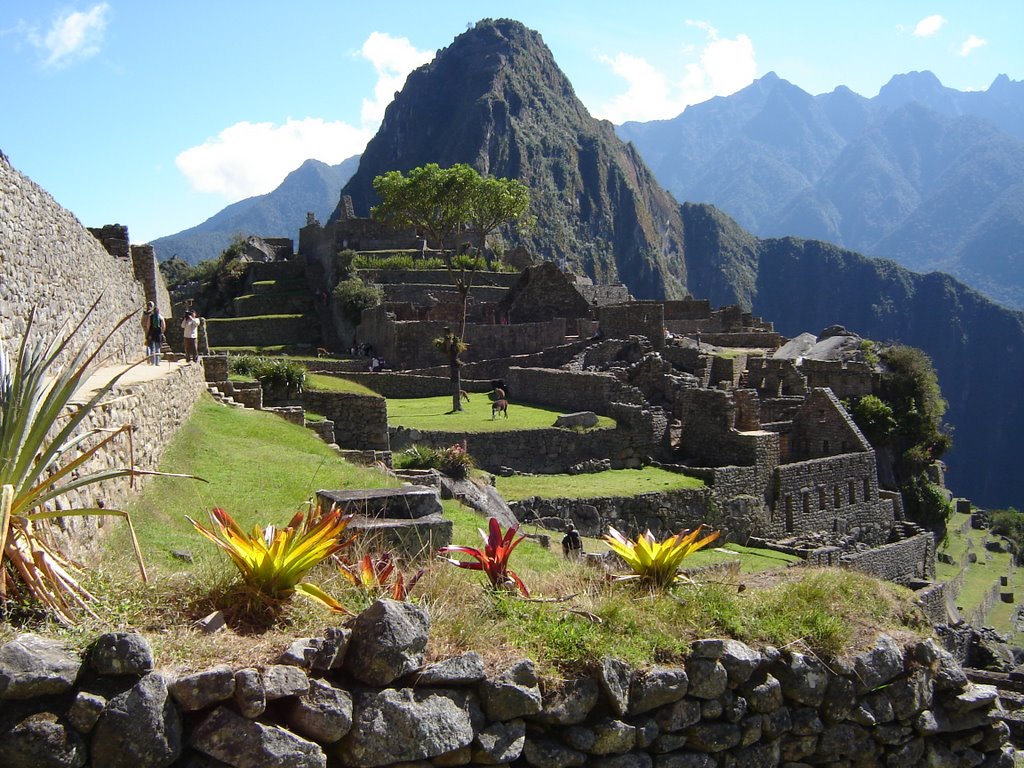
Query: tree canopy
{"points": [[441, 202]]}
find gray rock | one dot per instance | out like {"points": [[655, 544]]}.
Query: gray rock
{"points": [[500, 743], [402, 724], [240, 742], [668, 742], [877, 666], [806, 721], [140, 728], [612, 737], [839, 699], [280, 680], [776, 722], [571, 703], [681, 714], [804, 679], [707, 678], [319, 654], [972, 697], [759, 756], [751, 729], [323, 713], [949, 675], [512, 693], [846, 741], [685, 760], [765, 696], [250, 695], [388, 640], [42, 740], [85, 710], [584, 419], [713, 737], [615, 678], [203, 689], [656, 687], [459, 670], [740, 661], [31, 665], [579, 737], [546, 753], [121, 653], [631, 760], [647, 731]]}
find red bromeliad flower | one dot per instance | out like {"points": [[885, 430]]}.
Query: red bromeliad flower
{"points": [[493, 559], [379, 574]]}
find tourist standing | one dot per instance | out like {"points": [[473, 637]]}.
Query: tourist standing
{"points": [[190, 328], [572, 543], [154, 326]]}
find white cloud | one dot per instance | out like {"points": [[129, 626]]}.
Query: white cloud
{"points": [[393, 58], [723, 67], [247, 159], [968, 45], [929, 25], [72, 36]]}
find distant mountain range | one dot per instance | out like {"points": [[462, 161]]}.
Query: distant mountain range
{"points": [[928, 176], [313, 186]]}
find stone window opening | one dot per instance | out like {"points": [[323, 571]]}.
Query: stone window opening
{"points": [[867, 489], [806, 498], [824, 447], [789, 513], [837, 497], [853, 492], [822, 498]]}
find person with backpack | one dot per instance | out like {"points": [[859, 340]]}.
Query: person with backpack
{"points": [[153, 325], [572, 543]]}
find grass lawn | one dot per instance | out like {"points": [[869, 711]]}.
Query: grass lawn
{"points": [[320, 381], [614, 482], [434, 414]]}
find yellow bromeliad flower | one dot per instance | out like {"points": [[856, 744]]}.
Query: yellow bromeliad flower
{"points": [[657, 562], [274, 561]]}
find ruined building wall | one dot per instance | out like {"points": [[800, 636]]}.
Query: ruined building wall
{"points": [[620, 321], [147, 272], [48, 260], [822, 427]]}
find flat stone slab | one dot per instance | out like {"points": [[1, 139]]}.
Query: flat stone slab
{"points": [[408, 502], [408, 538]]}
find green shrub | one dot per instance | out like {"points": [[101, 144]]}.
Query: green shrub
{"points": [[354, 296], [453, 461], [875, 419], [273, 372], [925, 503], [418, 457]]}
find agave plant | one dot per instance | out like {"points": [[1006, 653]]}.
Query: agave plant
{"points": [[44, 451], [657, 562], [380, 575], [275, 561], [493, 558]]}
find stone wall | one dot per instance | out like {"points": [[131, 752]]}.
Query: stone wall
{"points": [[570, 390], [409, 344], [839, 493], [147, 272], [822, 427], [52, 263], [360, 421], [664, 513], [404, 385], [901, 562], [545, 451], [363, 696], [850, 379], [257, 331], [620, 321], [156, 409]]}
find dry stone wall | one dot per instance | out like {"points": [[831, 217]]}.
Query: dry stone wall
{"points": [[362, 696], [50, 262], [360, 421]]}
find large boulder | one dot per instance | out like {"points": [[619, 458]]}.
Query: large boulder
{"points": [[240, 742], [31, 665], [397, 725], [140, 728], [388, 640]]}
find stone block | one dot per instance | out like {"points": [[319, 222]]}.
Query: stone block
{"points": [[409, 502]]}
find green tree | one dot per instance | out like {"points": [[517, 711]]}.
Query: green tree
{"points": [[442, 202], [353, 296]]}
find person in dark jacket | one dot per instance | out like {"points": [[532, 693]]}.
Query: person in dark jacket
{"points": [[572, 543]]}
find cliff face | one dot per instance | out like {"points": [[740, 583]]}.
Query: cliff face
{"points": [[495, 99]]}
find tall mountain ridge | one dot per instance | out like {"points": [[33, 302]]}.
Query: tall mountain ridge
{"points": [[313, 186], [926, 175], [496, 100]]}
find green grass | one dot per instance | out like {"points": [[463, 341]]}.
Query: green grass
{"points": [[259, 468], [434, 414], [614, 482], [228, 320], [323, 382]]}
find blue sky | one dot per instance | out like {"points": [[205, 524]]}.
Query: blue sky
{"points": [[159, 114]]}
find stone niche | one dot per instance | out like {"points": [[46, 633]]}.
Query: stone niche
{"points": [[324, 700]]}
